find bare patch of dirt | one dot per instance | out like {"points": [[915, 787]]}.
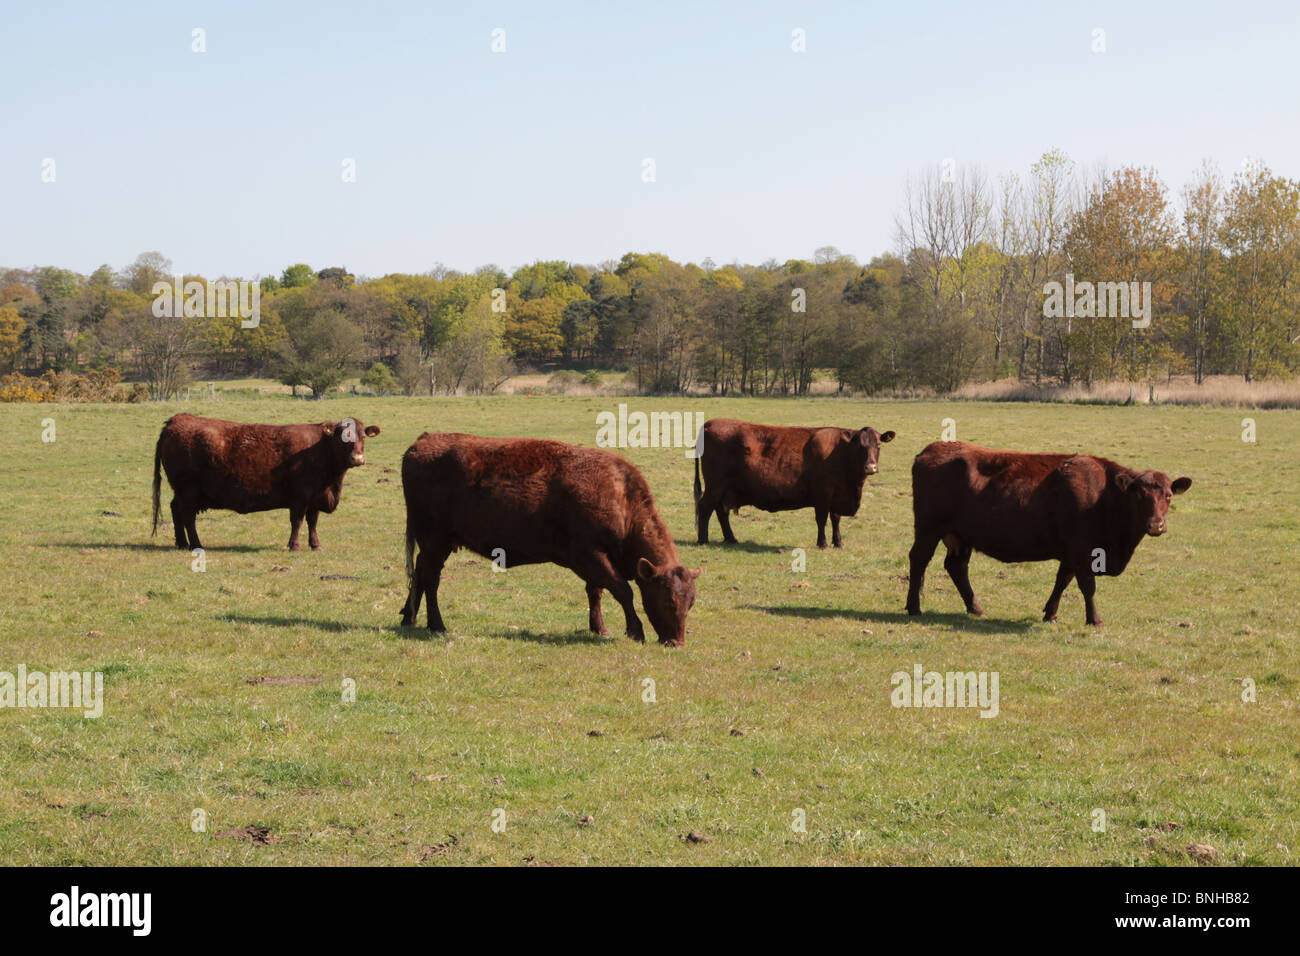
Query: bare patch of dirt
{"points": [[283, 681], [258, 836]]}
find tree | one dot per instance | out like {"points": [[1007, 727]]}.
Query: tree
{"points": [[1200, 261], [164, 346], [319, 351], [473, 356], [409, 369], [148, 268], [297, 276], [1261, 236], [11, 329], [379, 379]]}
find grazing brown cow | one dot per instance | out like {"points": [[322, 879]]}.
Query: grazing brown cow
{"points": [[775, 468], [535, 502], [245, 468], [1087, 513]]}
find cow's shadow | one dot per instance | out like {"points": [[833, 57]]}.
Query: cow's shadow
{"points": [[419, 632], [749, 547], [155, 546], [957, 622], [579, 636], [281, 620]]}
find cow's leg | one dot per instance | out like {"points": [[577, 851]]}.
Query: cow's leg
{"points": [[430, 578], [725, 521], [594, 619], [835, 531], [703, 509], [192, 530], [1088, 585], [1064, 574], [957, 564], [312, 515], [821, 526], [622, 592], [180, 521], [598, 572], [918, 558], [296, 514]]}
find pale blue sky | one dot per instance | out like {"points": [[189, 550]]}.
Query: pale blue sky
{"points": [[229, 161]]}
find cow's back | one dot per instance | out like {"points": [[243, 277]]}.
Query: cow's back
{"points": [[537, 500], [242, 467], [770, 467], [1013, 506]]}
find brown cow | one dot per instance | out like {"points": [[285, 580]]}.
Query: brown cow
{"points": [[215, 464], [535, 502], [775, 468], [1087, 513]]}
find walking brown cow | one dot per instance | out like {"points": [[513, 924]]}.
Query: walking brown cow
{"points": [[527, 501], [244, 468], [1087, 513], [777, 468]]}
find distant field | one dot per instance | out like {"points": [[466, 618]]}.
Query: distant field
{"points": [[780, 702]]}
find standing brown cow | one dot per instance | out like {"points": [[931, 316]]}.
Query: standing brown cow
{"points": [[534, 502], [215, 464], [775, 468], [1087, 513]]}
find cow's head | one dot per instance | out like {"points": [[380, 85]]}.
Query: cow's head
{"points": [[866, 444], [667, 593], [1148, 494], [347, 440]]}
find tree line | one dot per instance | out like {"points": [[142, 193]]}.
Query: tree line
{"points": [[963, 297]]}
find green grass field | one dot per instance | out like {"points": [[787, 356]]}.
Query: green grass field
{"points": [[779, 702]]}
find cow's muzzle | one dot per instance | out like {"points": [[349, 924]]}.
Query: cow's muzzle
{"points": [[1156, 528], [358, 460], [872, 469]]}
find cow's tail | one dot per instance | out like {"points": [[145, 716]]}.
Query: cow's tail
{"points": [[157, 482], [699, 492], [410, 550]]}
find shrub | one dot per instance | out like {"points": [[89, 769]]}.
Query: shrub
{"points": [[99, 385], [380, 380]]}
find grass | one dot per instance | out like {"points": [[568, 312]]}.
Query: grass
{"points": [[779, 702]]}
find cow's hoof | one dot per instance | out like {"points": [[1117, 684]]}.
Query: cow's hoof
{"points": [[1049, 618], [315, 547], [914, 611], [672, 643], [639, 638], [839, 544], [975, 611], [295, 547]]}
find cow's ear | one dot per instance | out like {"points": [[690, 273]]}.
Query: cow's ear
{"points": [[695, 573], [887, 436], [328, 429], [1180, 485], [1123, 480], [645, 570], [372, 431]]}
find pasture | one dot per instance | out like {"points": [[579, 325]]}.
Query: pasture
{"points": [[223, 688]]}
